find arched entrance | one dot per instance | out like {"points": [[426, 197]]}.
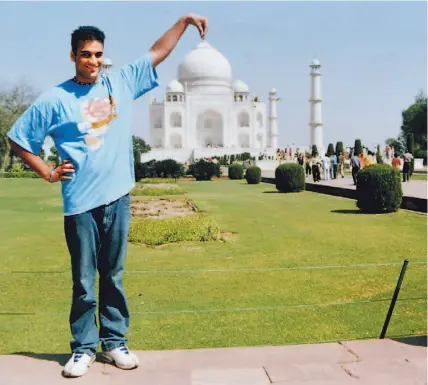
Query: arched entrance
{"points": [[209, 129]]}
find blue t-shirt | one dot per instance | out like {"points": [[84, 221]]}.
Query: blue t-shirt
{"points": [[86, 129]]}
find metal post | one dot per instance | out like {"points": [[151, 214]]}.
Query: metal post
{"points": [[394, 299]]}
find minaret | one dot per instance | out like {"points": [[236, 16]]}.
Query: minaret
{"points": [[107, 65], [273, 119], [315, 123]]}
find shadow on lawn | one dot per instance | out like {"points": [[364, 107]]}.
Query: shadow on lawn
{"points": [[347, 211]]}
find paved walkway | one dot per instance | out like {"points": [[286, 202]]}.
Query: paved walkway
{"points": [[369, 362], [414, 188]]}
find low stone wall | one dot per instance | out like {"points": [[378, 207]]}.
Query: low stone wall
{"points": [[408, 203]]}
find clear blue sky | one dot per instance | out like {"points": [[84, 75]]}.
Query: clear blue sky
{"points": [[373, 55]]}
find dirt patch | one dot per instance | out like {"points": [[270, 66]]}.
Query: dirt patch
{"points": [[162, 208]]}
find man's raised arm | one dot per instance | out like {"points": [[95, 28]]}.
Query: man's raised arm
{"points": [[166, 43]]}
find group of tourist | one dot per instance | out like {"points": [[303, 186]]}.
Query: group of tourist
{"points": [[328, 166]]}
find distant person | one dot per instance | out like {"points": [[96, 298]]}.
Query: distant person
{"points": [[333, 166], [326, 167], [396, 161], [356, 166], [89, 118], [308, 166], [407, 164], [316, 163], [341, 165]]}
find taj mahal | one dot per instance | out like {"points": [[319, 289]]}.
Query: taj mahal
{"points": [[205, 112]]}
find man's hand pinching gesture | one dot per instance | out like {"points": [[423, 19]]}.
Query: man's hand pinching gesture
{"points": [[200, 22]]}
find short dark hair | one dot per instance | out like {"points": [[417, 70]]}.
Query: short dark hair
{"points": [[85, 33]]}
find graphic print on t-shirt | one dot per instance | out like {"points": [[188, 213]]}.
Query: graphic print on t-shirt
{"points": [[97, 114]]}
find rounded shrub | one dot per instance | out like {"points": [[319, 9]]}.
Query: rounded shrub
{"points": [[290, 177], [379, 189], [204, 170], [253, 175], [236, 171]]}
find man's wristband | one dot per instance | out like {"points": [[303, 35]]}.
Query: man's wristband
{"points": [[51, 176]]}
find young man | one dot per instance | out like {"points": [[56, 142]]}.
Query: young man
{"points": [[89, 119]]}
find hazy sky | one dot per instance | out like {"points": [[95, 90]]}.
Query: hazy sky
{"points": [[373, 54]]}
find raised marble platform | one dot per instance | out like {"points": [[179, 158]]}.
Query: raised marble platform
{"points": [[414, 191]]}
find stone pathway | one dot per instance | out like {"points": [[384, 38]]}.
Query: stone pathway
{"points": [[369, 362], [414, 188]]}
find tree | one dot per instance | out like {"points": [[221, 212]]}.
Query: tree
{"points": [[314, 150], [140, 144], [339, 148], [330, 149], [397, 144], [410, 144], [54, 158], [358, 148], [415, 121], [13, 103]]}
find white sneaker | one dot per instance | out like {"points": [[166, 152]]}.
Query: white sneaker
{"points": [[122, 357], [78, 365]]}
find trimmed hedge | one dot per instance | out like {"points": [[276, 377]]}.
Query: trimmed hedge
{"points": [[290, 177], [236, 171], [253, 175], [379, 189], [167, 168], [153, 232], [204, 170], [19, 174]]}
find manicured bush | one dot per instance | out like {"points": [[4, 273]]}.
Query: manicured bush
{"points": [[204, 170], [253, 175], [330, 149], [314, 150], [339, 148], [167, 168], [161, 231], [290, 177], [379, 189], [236, 171], [358, 148], [19, 174]]}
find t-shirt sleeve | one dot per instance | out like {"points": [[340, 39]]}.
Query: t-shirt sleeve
{"points": [[141, 76], [31, 128]]}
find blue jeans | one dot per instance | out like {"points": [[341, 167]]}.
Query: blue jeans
{"points": [[97, 240]]}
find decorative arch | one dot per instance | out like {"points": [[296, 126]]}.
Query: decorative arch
{"points": [[158, 142], [244, 139], [260, 119], [244, 119], [209, 129], [175, 141], [259, 139], [175, 119], [174, 98], [157, 123]]}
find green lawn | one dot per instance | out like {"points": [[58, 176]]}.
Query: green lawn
{"points": [[266, 285]]}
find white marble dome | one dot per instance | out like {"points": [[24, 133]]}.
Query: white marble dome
{"points": [[205, 63], [175, 86], [240, 86]]}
